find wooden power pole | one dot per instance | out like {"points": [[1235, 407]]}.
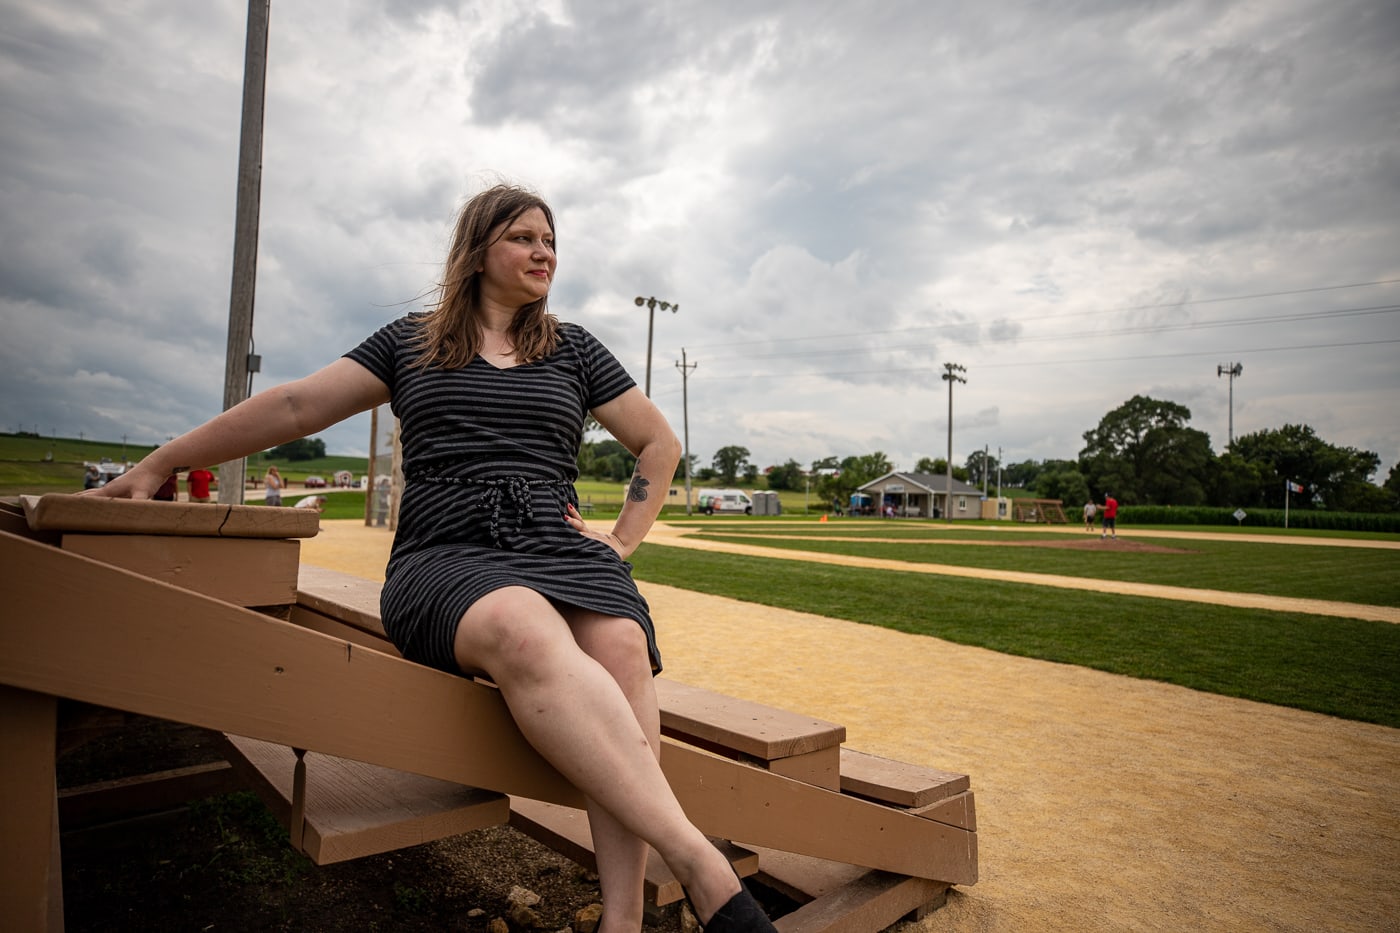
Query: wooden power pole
{"points": [[245, 236]]}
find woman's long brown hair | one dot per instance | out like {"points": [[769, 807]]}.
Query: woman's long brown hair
{"points": [[450, 334]]}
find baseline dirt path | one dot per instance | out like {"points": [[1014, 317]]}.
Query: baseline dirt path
{"points": [[1104, 803]]}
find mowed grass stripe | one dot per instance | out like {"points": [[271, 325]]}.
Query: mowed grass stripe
{"points": [[1340, 667], [1353, 575]]}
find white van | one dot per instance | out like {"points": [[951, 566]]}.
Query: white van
{"points": [[724, 500]]}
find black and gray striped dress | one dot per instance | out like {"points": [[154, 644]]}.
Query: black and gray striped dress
{"points": [[489, 459]]}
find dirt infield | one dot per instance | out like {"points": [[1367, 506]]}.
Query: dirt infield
{"points": [[1104, 803]]}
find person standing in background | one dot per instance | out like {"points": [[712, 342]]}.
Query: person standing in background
{"points": [[198, 482], [1110, 516], [272, 482]]}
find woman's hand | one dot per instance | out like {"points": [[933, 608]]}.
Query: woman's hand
{"points": [[577, 523], [137, 482]]}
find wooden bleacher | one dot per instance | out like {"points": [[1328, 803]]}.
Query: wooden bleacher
{"points": [[1039, 511], [767, 785]]}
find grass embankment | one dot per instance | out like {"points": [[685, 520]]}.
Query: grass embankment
{"points": [[1339, 667]]}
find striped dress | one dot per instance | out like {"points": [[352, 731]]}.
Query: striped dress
{"points": [[489, 459]]}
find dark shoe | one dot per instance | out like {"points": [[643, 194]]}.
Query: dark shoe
{"points": [[740, 914]]}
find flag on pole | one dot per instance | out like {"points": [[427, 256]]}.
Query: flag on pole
{"points": [[1294, 487]]}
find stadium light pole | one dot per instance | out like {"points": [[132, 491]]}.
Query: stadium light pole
{"points": [[652, 304], [950, 376], [1232, 370]]}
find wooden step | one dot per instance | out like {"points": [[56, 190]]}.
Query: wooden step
{"points": [[353, 809]]}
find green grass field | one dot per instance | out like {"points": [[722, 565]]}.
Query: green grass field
{"points": [[1340, 667], [1359, 575]]}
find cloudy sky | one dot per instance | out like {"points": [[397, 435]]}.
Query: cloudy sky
{"points": [[1079, 202]]}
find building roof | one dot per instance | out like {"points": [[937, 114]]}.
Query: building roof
{"points": [[936, 485]]}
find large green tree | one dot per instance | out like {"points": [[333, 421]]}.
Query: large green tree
{"points": [[303, 448], [729, 462], [1143, 452], [1332, 477], [787, 476]]}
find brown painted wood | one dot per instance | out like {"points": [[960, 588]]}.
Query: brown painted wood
{"points": [[566, 831], [873, 901], [351, 599], [275, 681], [128, 642], [31, 876], [764, 732], [308, 618], [353, 809], [242, 571], [897, 782], [104, 801], [955, 811], [755, 807], [66, 512]]}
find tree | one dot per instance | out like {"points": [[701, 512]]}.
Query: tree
{"points": [[1234, 481], [981, 464], [1143, 452], [1068, 485], [787, 476], [1334, 477], [1392, 486], [608, 459], [729, 461], [750, 473], [1020, 475], [301, 449]]}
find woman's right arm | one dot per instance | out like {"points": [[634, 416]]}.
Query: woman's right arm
{"points": [[273, 416]]}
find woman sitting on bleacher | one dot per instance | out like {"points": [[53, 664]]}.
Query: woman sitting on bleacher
{"points": [[493, 569]]}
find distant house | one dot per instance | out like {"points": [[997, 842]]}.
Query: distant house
{"points": [[919, 495], [344, 479]]}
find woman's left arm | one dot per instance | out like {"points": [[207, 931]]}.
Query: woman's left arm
{"points": [[641, 428]]}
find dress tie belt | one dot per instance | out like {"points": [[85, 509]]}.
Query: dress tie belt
{"points": [[515, 487]]}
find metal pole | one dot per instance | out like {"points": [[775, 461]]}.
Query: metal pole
{"points": [[685, 418], [245, 236], [950, 376], [651, 304]]}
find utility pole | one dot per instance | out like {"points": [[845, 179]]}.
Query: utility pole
{"points": [[685, 419], [239, 359], [1232, 370], [950, 376]]}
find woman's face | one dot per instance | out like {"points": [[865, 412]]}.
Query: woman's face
{"points": [[519, 264]]}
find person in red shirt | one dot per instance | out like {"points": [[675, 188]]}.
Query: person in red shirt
{"points": [[198, 481], [1110, 516]]}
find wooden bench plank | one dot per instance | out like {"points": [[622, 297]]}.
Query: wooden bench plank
{"points": [[309, 618], [351, 599], [897, 782], [66, 512], [242, 571], [354, 809], [764, 732], [566, 831]]}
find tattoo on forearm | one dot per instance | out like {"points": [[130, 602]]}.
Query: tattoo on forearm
{"points": [[637, 489]]}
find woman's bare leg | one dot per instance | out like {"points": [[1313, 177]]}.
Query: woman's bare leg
{"points": [[620, 646], [573, 712]]}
